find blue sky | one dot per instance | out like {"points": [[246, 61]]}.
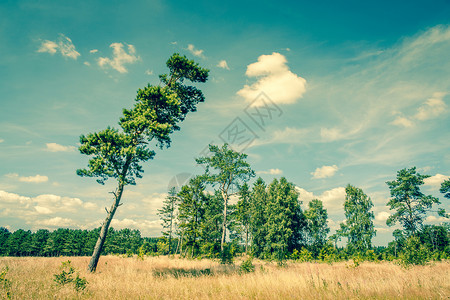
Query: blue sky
{"points": [[356, 92]]}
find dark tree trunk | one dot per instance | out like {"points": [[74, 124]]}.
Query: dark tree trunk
{"points": [[104, 230]]}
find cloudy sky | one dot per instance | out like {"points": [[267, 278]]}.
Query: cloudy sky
{"points": [[324, 94]]}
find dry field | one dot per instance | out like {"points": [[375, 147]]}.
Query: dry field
{"points": [[169, 278]]}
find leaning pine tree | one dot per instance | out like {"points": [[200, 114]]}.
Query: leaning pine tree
{"points": [[156, 114]]}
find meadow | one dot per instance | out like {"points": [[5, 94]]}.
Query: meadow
{"points": [[173, 278]]}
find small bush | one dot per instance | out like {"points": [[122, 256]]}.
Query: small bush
{"points": [[247, 266], [5, 284], [415, 253], [226, 256], [66, 277]]}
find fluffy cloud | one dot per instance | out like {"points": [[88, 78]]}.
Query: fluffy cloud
{"points": [[402, 122], [324, 172], [120, 57], [382, 216], [53, 147], [274, 79], [288, 135], [93, 51], [271, 172], [223, 64], [35, 179], [63, 45], [333, 200], [436, 180], [433, 219], [196, 52], [142, 225], [55, 222], [2, 140], [431, 108]]}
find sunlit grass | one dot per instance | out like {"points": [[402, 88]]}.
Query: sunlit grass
{"points": [[173, 278]]}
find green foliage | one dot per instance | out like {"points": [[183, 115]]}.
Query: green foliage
{"points": [[370, 255], [328, 254], [167, 216], [5, 284], [358, 226], [226, 255], [414, 253], [283, 215], [304, 255], [316, 225], [445, 188], [258, 217], [247, 266], [228, 170], [156, 114], [66, 276], [409, 203]]}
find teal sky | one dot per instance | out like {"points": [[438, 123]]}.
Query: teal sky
{"points": [[355, 92]]}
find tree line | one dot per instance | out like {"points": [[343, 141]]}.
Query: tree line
{"points": [[266, 220], [263, 220], [72, 242]]}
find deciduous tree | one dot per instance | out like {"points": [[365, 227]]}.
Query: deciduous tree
{"points": [[228, 170], [358, 227]]}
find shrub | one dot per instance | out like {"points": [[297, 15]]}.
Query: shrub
{"points": [[66, 277], [5, 284], [247, 266], [414, 253]]}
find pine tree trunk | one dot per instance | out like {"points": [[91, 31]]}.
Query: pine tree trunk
{"points": [[224, 223], [246, 240], [104, 230]]}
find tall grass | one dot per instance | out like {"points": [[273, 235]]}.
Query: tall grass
{"points": [[169, 278]]}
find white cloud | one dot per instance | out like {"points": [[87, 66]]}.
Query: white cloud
{"points": [[48, 46], [288, 135], [274, 79], [21, 206], [223, 64], [86, 63], [432, 108], [403, 122], [2, 140], [43, 210], [93, 51], [55, 222], [436, 219], [324, 172], [333, 200], [142, 225], [148, 72], [304, 195], [382, 216], [194, 51], [64, 45], [35, 179], [331, 134], [53, 147], [271, 172], [6, 197], [120, 58], [436, 180]]}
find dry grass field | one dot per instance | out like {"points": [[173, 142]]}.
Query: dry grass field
{"points": [[170, 278]]}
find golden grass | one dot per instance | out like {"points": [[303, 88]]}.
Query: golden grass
{"points": [[169, 278]]}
